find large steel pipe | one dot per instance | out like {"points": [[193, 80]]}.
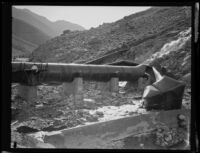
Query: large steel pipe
{"points": [[60, 72]]}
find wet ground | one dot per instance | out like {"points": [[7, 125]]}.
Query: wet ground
{"points": [[53, 112]]}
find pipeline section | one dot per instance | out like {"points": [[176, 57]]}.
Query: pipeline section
{"points": [[61, 72]]}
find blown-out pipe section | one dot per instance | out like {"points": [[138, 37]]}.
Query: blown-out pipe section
{"points": [[61, 72]]}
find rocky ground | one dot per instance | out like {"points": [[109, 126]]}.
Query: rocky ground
{"points": [[52, 112], [52, 108]]}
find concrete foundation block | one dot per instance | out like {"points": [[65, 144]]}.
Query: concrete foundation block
{"points": [[78, 85], [74, 88], [78, 100], [78, 91], [114, 84], [29, 93], [68, 88]]}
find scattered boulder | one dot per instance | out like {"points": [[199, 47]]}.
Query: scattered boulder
{"points": [[100, 114], [170, 136], [131, 113], [91, 118], [39, 106], [181, 117]]}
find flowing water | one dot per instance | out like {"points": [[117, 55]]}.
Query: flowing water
{"points": [[116, 112], [171, 46], [122, 83], [174, 45]]}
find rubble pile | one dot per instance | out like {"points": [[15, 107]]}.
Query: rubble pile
{"points": [[51, 111], [169, 137]]}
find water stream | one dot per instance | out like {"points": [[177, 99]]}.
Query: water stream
{"points": [[171, 46]]}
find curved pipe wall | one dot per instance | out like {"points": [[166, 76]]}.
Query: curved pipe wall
{"points": [[60, 72]]}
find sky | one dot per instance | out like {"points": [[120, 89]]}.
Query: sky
{"points": [[86, 16]]}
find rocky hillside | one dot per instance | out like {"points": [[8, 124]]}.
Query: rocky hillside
{"points": [[21, 47], [174, 58], [144, 33], [51, 29], [30, 30]]}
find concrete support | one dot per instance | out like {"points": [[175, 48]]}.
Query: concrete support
{"points": [[78, 91], [114, 84], [68, 89], [74, 88], [29, 93]]}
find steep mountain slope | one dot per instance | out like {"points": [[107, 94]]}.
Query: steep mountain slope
{"points": [[28, 18], [144, 33], [21, 47], [25, 37], [49, 28], [28, 32]]}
